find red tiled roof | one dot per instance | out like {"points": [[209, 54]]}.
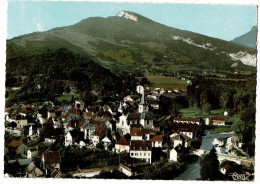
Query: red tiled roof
{"points": [[90, 114], [180, 127], [14, 144], [99, 131], [98, 120], [157, 138], [145, 131], [73, 123], [52, 157], [122, 141], [218, 118], [134, 131], [74, 110], [153, 102], [141, 145]]}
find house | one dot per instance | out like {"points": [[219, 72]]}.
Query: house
{"points": [[157, 141], [106, 108], [51, 113], [141, 134], [180, 139], [89, 130], [56, 174], [32, 171], [18, 147], [32, 153], [141, 150], [106, 142], [153, 103], [72, 137], [54, 122], [218, 121], [122, 145], [82, 144], [190, 130], [21, 121], [127, 170], [187, 120], [42, 115], [30, 130], [98, 135], [176, 153], [51, 160]]}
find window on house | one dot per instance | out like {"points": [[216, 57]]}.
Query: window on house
{"points": [[132, 154], [144, 154], [140, 154], [148, 154], [136, 154]]}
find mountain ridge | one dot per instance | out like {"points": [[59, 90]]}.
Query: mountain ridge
{"points": [[248, 39], [145, 45]]}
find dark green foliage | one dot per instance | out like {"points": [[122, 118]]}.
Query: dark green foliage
{"points": [[209, 166], [115, 174], [86, 159], [164, 171], [206, 108], [52, 71]]}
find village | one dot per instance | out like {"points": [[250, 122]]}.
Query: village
{"points": [[82, 140]]}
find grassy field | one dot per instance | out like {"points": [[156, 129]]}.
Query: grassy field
{"points": [[167, 82], [66, 97], [121, 56], [197, 112], [220, 129]]}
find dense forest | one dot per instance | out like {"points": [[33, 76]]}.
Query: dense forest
{"points": [[235, 96], [42, 76]]}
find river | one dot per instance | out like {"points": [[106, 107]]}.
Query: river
{"points": [[193, 170]]}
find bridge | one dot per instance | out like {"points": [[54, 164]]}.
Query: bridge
{"points": [[221, 157]]}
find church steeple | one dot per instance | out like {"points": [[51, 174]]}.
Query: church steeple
{"points": [[120, 109], [143, 107], [143, 101]]}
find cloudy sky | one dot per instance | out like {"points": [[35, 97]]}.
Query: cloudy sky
{"points": [[220, 21]]}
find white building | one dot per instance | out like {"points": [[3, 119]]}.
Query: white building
{"points": [[122, 145], [32, 153], [140, 89], [141, 150], [122, 126]]}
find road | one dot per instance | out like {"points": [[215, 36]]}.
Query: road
{"points": [[193, 170]]}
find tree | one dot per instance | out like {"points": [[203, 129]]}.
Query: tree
{"points": [[206, 108], [209, 166], [241, 129]]}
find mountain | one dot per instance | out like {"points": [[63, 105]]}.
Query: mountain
{"points": [[248, 39], [129, 42]]}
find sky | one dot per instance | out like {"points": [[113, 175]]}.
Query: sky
{"points": [[220, 21]]}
